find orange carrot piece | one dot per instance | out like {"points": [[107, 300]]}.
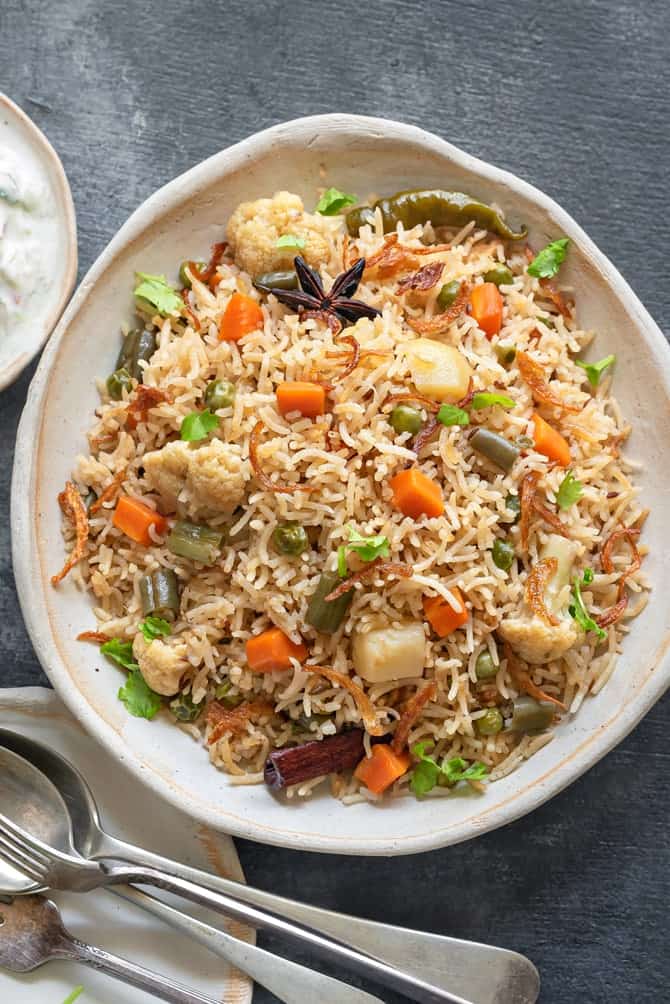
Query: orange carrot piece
{"points": [[242, 315], [441, 615], [550, 442], [379, 771], [486, 306], [307, 398], [135, 518], [416, 495], [272, 649]]}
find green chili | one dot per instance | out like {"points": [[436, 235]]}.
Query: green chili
{"points": [[192, 540], [327, 617], [439, 207], [495, 448]]}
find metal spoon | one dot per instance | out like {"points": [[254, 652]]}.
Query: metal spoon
{"points": [[480, 973], [32, 933]]}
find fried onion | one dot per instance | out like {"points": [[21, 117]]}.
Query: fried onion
{"points": [[265, 479], [533, 374], [410, 715], [536, 585], [74, 509], [523, 681], [363, 702], [109, 492], [424, 279], [376, 567]]}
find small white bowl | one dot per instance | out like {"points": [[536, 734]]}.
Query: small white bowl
{"points": [[181, 221], [22, 343]]}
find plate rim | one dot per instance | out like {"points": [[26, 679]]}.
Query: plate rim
{"points": [[528, 797]]}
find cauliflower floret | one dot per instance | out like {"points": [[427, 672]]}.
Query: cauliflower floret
{"points": [[255, 227], [535, 640], [199, 482], [161, 665]]}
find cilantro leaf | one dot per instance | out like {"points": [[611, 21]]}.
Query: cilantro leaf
{"points": [[290, 241], [487, 400], [368, 548], [594, 371], [342, 561], [546, 264], [154, 627], [569, 491], [578, 611], [120, 651], [140, 700], [587, 576], [449, 414], [428, 772], [333, 200], [71, 998], [198, 425], [156, 292]]}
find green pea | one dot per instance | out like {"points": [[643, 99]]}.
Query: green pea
{"points": [[448, 294], [228, 700], [219, 394], [290, 539], [117, 382], [503, 554], [405, 418], [513, 504], [485, 667], [184, 708], [506, 354], [490, 723], [184, 277], [500, 275]]}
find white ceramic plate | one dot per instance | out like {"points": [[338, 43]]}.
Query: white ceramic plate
{"points": [[19, 134], [128, 811], [181, 221]]}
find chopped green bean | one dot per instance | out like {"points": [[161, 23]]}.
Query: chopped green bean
{"points": [[138, 346], [192, 540], [485, 667], [490, 723], [327, 616], [495, 448], [502, 554], [405, 418], [513, 503], [219, 394], [506, 354], [276, 280], [159, 592], [530, 715], [290, 539]]}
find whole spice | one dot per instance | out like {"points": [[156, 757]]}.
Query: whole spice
{"points": [[336, 303], [312, 759]]}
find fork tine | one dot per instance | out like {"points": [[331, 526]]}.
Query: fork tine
{"points": [[28, 860], [25, 841], [21, 865]]}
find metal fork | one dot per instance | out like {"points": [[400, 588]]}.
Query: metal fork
{"points": [[52, 869]]}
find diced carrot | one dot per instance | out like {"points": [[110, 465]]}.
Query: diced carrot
{"points": [[307, 398], [242, 315], [135, 518], [272, 649], [414, 494], [486, 306], [379, 771], [441, 615], [550, 442]]}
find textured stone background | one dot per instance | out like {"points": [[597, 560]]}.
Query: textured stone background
{"points": [[574, 97]]}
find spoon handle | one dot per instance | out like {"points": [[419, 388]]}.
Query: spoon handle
{"points": [[135, 976], [334, 951], [288, 981]]}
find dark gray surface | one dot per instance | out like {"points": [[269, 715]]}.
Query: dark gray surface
{"points": [[572, 96]]}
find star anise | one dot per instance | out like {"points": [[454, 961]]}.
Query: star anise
{"points": [[313, 299]]}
